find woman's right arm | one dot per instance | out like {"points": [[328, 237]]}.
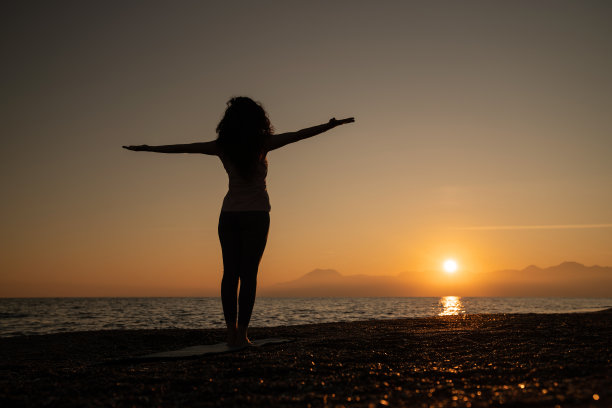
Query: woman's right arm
{"points": [[283, 139], [203, 148]]}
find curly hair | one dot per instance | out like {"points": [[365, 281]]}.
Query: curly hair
{"points": [[242, 132]]}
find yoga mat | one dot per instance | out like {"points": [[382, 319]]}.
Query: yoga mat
{"points": [[204, 349]]}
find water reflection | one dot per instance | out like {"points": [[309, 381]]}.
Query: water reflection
{"points": [[29, 316], [451, 306]]}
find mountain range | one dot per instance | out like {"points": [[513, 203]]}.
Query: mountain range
{"points": [[568, 279]]}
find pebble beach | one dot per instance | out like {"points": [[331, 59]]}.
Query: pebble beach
{"points": [[481, 360]]}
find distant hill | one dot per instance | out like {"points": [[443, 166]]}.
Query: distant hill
{"points": [[568, 279], [331, 283]]}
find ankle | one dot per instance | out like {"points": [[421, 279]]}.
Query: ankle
{"points": [[232, 334], [241, 335]]}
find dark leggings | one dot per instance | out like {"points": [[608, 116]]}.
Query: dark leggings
{"points": [[243, 236]]}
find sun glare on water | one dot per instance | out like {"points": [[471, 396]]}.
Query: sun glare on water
{"points": [[450, 266], [450, 306]]}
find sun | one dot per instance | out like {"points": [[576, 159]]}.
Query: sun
{"points": [[450, 266]]}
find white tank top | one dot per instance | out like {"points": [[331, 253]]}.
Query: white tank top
{"points": [[246, 194]]}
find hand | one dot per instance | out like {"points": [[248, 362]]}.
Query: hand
{"points": [[335, 122], [139, 148]]}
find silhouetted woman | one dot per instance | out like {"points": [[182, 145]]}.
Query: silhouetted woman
{"points": [[245, 136]]}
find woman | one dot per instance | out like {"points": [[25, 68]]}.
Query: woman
{"points": [[245, 137]]}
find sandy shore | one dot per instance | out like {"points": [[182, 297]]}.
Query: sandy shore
{"points": [[476, 360]]}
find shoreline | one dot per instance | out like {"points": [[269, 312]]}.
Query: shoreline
{"points": [[467, 360], [27, 335], [32, 316]]}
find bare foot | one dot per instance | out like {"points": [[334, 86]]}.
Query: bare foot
{"points": [[241, 338], [242, 342]]}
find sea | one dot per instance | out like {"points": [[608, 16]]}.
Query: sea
{"points": [[36, 316]]}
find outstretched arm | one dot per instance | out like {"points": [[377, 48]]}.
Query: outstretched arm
{"points": [[277, 141], [203, 148]]}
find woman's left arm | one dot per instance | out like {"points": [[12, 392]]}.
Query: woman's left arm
{"points": [[277, 141], [202, 148]]}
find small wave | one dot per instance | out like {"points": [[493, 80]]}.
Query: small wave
{"points": [[5, 315], [591, 309]]}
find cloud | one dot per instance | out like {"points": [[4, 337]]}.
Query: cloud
{"points": [[534, 227]]}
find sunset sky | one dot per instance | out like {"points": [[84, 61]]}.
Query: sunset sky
{"points": [[483, 134]]}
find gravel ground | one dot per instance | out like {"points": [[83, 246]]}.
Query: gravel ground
{"points": [[468, 361]]}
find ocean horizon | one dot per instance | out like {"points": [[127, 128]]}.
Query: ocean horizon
{"points": [[35, 316]]}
